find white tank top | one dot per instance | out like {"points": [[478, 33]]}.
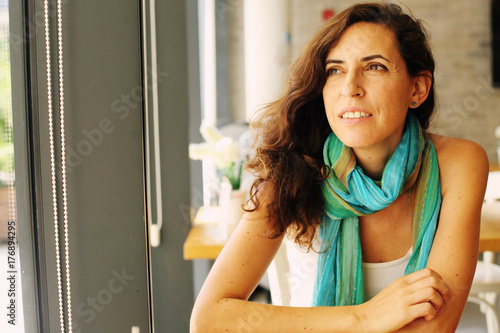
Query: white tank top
{"points": [[303, 269]]}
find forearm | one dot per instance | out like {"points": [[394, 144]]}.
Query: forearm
{"points": [[446, 320], [236, 315]]}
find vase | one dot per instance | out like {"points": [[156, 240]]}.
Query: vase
{"points": [[230, 207], [234, 210], [498, 154]]}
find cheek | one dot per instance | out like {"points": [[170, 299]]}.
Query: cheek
{"points": [[332, 121], [329, 117], [328, 102], [329, 98]]}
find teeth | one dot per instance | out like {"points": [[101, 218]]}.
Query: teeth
{"points": [[354, 115]]}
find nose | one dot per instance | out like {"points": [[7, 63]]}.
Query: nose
{"points": [[352, 86]]}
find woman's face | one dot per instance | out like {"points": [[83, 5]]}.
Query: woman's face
{"points": [[368, 90]]}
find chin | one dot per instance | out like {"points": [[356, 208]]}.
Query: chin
{"points": [[356, 144], [355, 141]]}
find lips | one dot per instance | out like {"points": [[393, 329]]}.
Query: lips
{"points": [[354, 113]]}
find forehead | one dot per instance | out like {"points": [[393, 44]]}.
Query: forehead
{"points": [[365, 38]]}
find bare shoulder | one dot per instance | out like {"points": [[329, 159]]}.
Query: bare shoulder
{"points": [[460, 159], [257, 213], [453, 151]]}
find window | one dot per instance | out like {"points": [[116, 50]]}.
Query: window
{"points": [[10, 279]]}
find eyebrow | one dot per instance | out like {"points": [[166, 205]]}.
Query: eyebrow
{"points": [[364, 59]]}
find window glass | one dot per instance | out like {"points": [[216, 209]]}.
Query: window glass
{"points": [[11, 319]]}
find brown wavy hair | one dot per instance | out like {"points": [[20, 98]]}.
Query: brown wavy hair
{"points": [[290, 132]]}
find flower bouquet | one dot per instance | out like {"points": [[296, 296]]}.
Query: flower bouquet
{"points": [[225, 153]]}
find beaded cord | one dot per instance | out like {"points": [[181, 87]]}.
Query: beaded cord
{"points": [[63, 165]]}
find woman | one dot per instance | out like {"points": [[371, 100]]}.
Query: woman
{"points": [[344, 161]]}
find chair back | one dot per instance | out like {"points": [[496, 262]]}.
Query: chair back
{"points": [[493, 187], [278, 273]]}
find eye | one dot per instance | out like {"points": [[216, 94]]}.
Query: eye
{"points": [[332, 71], [377, 67]]}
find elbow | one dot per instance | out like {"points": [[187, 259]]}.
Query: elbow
{"points": [[199, 320], [194, 326], [195, 322]]}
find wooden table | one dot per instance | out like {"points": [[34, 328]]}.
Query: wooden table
{"points": [[201, 244], [202, 241]]}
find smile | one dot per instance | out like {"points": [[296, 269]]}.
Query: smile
{"points": [[354, 115]]}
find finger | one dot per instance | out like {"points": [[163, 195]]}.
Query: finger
{"points": [[424, 278], [429, 295], [437, 300], [431, 282], [423, 310], [421, 274], [430, 316]]}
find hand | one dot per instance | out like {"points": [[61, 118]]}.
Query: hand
{"points": [[420, 294]]}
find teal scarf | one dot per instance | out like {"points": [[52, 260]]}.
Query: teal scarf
{"points": [[349, 193]]}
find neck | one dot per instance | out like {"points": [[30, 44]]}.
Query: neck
{"points": [[372, 164], [374, 158]]}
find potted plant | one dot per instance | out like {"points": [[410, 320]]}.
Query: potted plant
{"points": [[225, 153]]}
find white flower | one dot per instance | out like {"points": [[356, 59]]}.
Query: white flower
{"points": [[497, 133], [210, 133], [199, 151], [227, 153], [222, 150]]}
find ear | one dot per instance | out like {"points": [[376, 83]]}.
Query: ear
{"points": [[422, 85]]}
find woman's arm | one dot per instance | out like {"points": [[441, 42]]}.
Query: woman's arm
{"points": [[222, 303], [464, 172]]}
